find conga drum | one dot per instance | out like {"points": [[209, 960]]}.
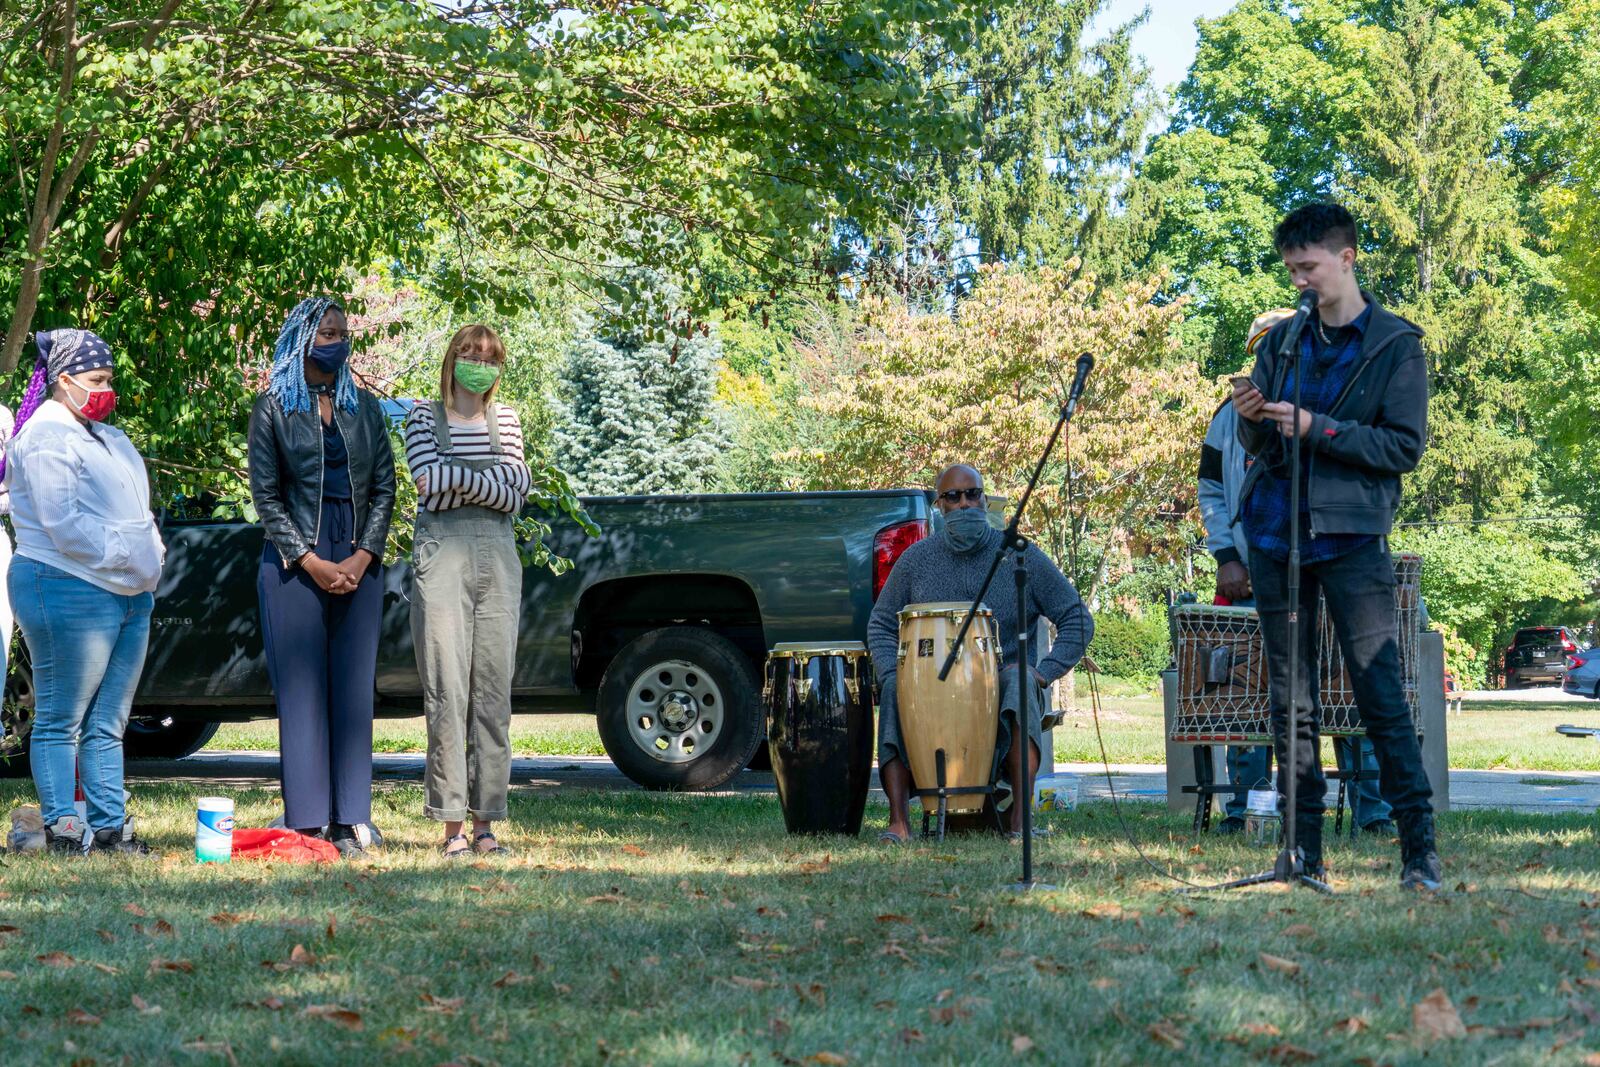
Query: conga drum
{"points": [[819, 733], [957, 717]]}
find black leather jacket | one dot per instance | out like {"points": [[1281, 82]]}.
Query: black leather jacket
{"points": [[286, 473]]}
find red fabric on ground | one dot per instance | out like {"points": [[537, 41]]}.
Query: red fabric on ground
{"points": [[280, 844]]}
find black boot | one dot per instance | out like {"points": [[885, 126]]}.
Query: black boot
{"points": [[344, 838], [1308, 839], [1419, 861]]}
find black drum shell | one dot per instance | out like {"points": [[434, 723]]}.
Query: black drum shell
{"points": [[820, 737]]}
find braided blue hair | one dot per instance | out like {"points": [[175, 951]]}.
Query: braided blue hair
{"points": [[287, 383]]}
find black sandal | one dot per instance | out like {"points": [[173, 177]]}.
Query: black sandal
{"points": [[496, 848], [450, 853]]}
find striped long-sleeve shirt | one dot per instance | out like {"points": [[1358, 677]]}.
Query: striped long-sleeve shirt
{"points": [[502, 487]]}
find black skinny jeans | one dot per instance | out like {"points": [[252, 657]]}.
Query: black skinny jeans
{"points": [[1360, 590]]}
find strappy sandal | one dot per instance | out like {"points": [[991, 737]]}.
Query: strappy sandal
{"points": [[889, 837], [456, 853], [495, 847]]}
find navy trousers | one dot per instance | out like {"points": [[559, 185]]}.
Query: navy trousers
{"points": [[322, 655], [1360, 589]]}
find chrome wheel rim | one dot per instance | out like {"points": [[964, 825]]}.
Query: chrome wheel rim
{"points": [[675, 711]]}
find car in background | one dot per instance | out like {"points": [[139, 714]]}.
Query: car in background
{"points": [[1538, 656], [1583, 674]]}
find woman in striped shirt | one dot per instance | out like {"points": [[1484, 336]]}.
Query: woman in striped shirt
{"points": [[465, 454]]}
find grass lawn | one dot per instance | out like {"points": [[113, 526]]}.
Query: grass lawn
{"points": [[1488, 736], [661, 929]]}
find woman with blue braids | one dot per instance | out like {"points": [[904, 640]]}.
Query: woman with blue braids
{"points": [[322, 478]]}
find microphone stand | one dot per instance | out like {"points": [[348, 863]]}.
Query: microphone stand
{"points": [[1290, 867], [1013, 541]]}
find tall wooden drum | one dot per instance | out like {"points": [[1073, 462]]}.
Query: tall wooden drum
{"points": [[819, 733], [959, 715]]}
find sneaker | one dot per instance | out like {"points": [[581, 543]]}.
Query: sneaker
{"points": [[344, 838], [1420, 866], [1231, 825], [65, 836], [117, 841], [1381, 828]]}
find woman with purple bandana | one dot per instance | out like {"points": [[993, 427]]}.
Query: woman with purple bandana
{"points": [[87, 562]]}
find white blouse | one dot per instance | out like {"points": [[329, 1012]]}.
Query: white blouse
{"points": [[80, 502]]}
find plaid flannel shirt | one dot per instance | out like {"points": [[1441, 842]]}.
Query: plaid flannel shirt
{"points": [[1266, 512]]}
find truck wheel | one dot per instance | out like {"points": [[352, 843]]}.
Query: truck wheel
{"points": [[16, 715], [680, 708], [163, 737]]}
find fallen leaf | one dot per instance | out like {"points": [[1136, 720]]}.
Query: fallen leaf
{"points": [[1261, 1030], [105, 968], [511, 978], [7, 976], [912, 1036], [57, 959], [756, 984], [1021, 1045], [79, 1017], [1110, 910], [143, 1007], [7, 928], [442, 1005], [170, 966], [892, 918], [107, 936], [350, 1020], [1287, 1053], [604, 898], [1435, 1018], [134, 909], [827, 1059], [1299, 930], [1164, 1033], [1104, 983], [1353, 1025], [816, 993], [1279, 964], [333, 926], [634, 850], [227, 918]]}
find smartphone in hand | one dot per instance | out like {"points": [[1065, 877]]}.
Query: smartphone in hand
{"points": [[1242, 381]]}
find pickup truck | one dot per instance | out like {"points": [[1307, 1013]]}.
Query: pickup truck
{"points": [[660, 628]]}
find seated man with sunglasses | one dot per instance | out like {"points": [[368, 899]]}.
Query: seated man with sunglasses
{"points": [[951, 565]]}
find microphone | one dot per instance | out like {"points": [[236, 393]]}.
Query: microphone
{"points": [[1085, 365], [1297, 325]]}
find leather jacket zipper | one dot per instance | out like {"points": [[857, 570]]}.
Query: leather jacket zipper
{"points": [[1311, 467]]}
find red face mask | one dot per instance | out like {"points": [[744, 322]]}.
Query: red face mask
{"points": [[97, 405]]}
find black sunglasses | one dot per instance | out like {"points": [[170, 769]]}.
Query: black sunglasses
{"points": [[953, 496]]}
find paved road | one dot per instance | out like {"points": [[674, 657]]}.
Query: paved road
{"points": [[1535, 791]]}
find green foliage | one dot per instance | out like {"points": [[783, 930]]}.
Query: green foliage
{"points": [[1481, 581], [639, 416], [1131, 646]]}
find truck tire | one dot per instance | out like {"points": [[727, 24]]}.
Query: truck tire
{"points": [[680, 709], [163, 737]]}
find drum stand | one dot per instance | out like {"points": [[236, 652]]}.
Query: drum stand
{"points": [[1016, 544], [944, 793], [1290, 867]]}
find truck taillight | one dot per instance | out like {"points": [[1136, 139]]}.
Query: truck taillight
{"points": [[888, 546]]}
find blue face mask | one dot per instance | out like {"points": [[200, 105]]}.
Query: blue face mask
{"points": [[329, 358], [966, 529]]}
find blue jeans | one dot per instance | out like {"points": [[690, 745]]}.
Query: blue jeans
{"points": [[1360, 590], [1249, 766], [1367, 805], [87, 647]]}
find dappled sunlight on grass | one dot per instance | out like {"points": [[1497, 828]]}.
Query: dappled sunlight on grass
{"points": [[687, 929]]}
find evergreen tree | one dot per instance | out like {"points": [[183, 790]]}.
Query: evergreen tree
{"points": [[639, 416]]}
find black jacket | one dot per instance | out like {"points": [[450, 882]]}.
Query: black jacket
{"points": [[1375, 433], [286, 473]]}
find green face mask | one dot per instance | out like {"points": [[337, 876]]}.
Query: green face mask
{"points": [[476, 377]]}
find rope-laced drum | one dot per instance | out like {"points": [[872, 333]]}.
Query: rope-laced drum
{"points": [[1222, 668]]}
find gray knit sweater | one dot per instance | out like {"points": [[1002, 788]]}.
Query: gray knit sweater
{"points": [[930, 571]]}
